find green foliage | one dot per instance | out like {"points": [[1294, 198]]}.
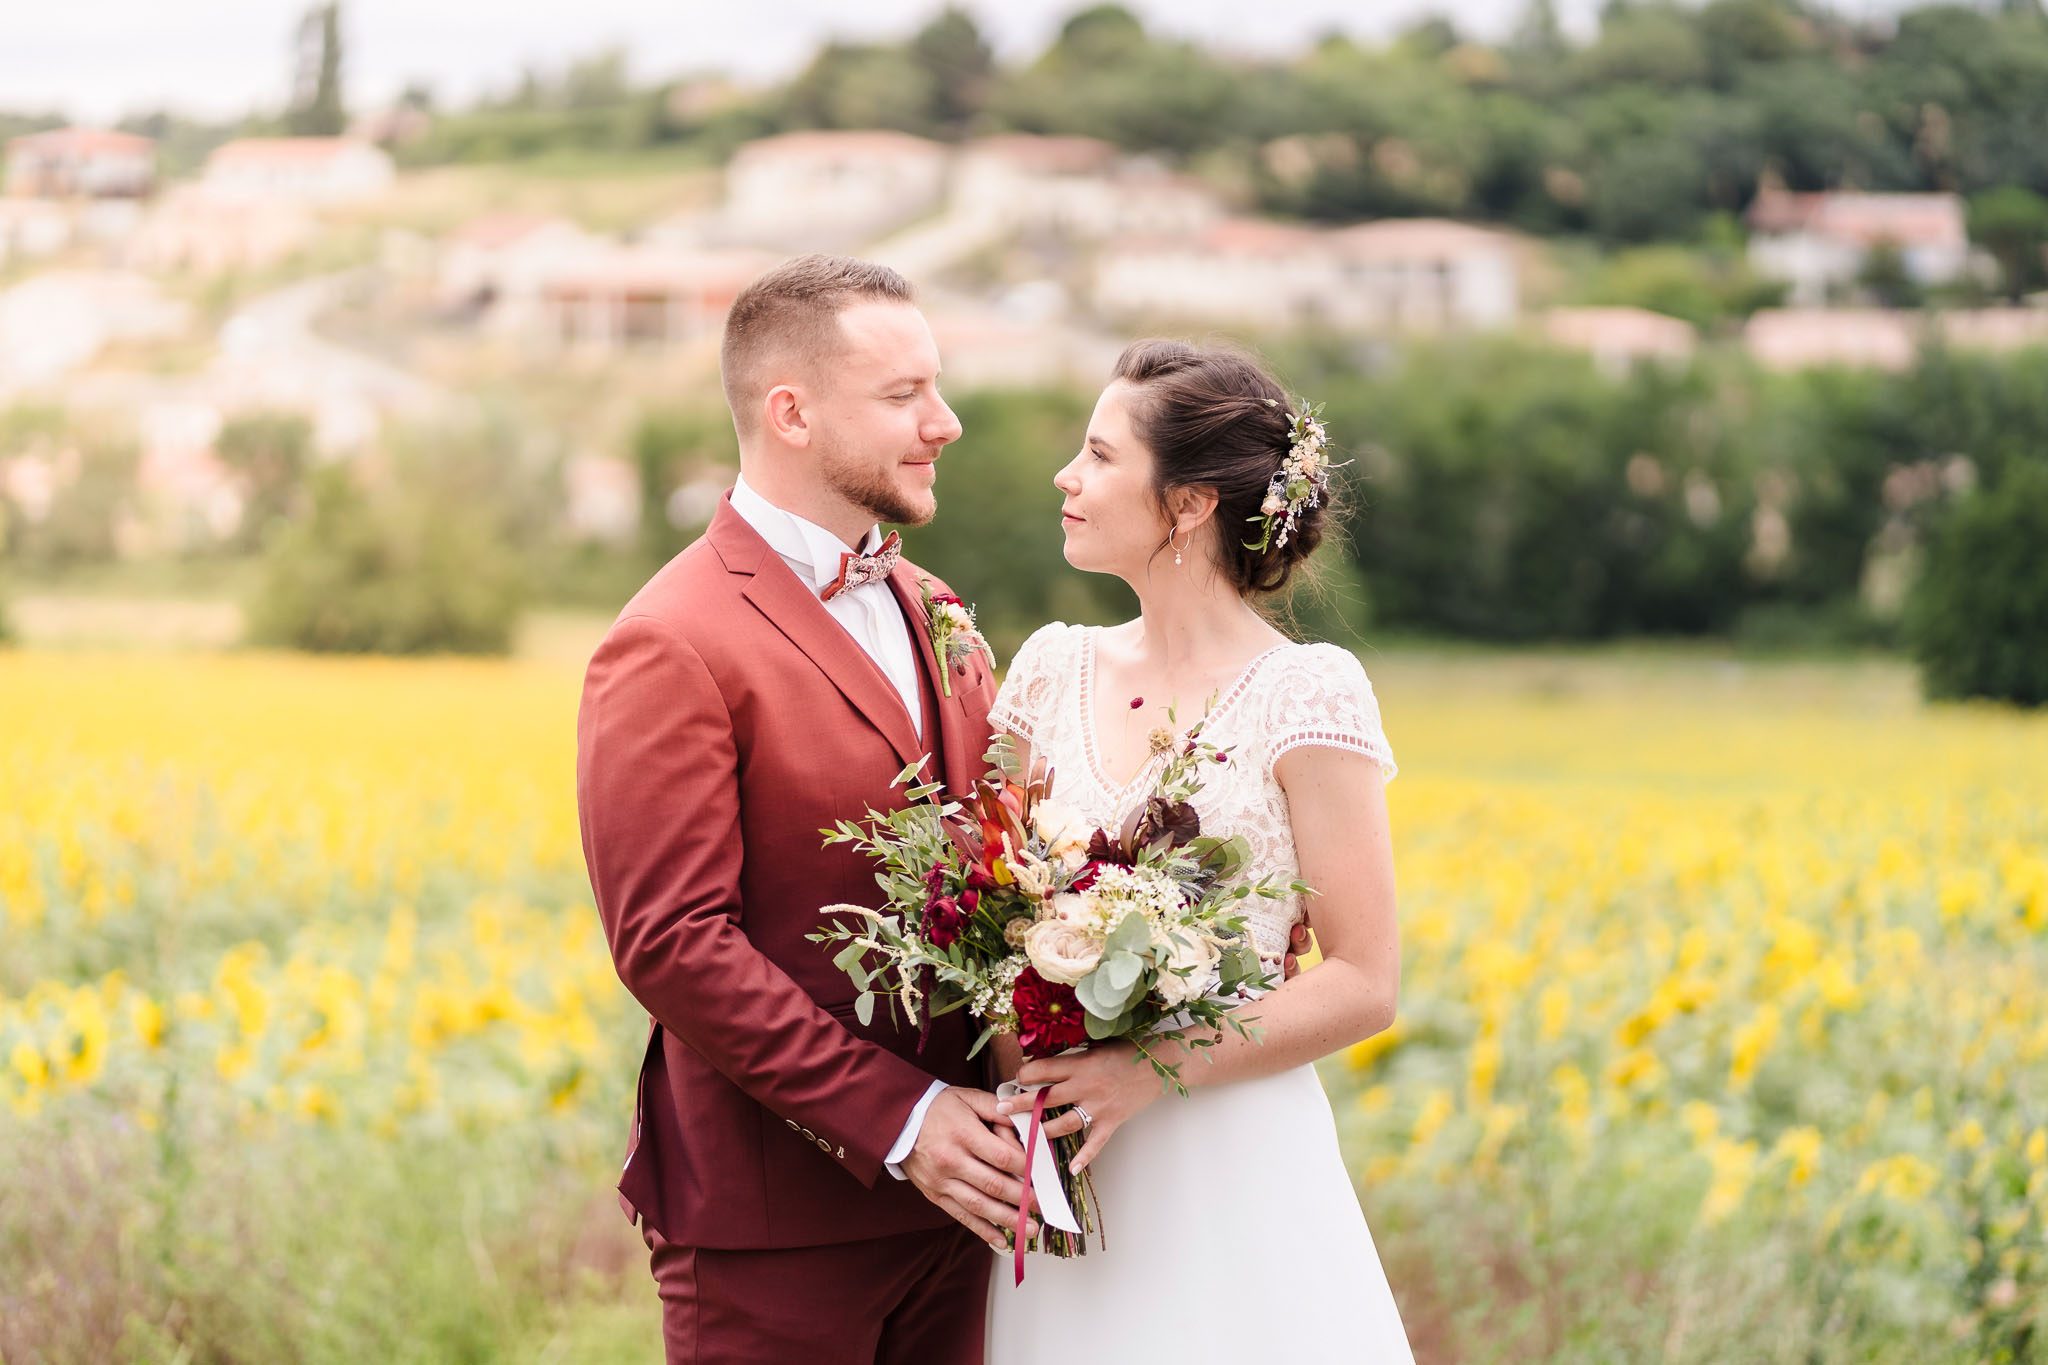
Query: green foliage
{"points": [[674, 448], [1704, 288], [1978, 619], [412, 565], [2011, 223], [316, 105], [997, 537], [270, 452]]}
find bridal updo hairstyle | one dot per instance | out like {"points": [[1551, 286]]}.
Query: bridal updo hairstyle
{"points": [[1216, 418]]}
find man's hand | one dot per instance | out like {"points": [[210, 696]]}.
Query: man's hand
{"points": [[1298, 942], [969, 1168]]}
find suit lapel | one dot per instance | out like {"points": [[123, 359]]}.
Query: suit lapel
{"points": [[795, 610], [955, 766]]}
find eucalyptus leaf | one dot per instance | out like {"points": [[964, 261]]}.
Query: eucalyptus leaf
{"points": [[864, 1008]]}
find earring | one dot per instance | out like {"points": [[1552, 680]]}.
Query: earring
{"points": [[1178, 548]]}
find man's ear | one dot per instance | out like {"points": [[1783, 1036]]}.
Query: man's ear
{"points": [[1191, 507], [783, 417]]}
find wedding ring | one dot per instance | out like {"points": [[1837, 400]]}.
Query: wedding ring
{"points": [[1087, 1119]]}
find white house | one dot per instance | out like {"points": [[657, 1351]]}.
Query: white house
{"points": [[190, 229], [829, 189], [627, 296], [89, 163], [504, 255], [1397, 275], [1426, 274], [1080, 187], [1819, 243], [321, 170]]}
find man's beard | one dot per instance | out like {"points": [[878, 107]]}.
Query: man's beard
{"points": [[869, 489]]}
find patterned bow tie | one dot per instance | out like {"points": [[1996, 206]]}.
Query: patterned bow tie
{"points": [[857, 571]]}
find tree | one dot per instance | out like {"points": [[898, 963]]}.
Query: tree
{"points": [[952, 53], [270, 453], [316, 89], [1885, 277], [1978, 617], [2012, 224]]}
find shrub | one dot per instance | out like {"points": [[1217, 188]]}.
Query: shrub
{"points": [[1978, 617], [405, 568]]}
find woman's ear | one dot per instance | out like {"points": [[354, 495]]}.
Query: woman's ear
{"points": [[1191, 508]]}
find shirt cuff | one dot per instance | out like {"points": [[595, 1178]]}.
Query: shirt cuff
{"points": [[907, 1140]]}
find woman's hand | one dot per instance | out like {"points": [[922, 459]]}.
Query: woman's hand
{"points": [[1109, 1080]]}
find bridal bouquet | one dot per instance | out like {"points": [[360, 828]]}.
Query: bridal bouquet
{"points": [[1007, 906]]}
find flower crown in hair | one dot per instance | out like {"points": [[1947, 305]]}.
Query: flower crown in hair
{"points": [[1300, 482]]}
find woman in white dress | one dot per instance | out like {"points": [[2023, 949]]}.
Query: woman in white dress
{"points": [[1233, 1230]]}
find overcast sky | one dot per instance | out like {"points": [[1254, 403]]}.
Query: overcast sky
{"points": [[97, 59]]}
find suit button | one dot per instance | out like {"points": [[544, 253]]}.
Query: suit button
{"points": [[824, 1146], [791, 1123]]}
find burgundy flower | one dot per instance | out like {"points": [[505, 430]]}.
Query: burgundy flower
{"points": [[1089, 872], [1137, 702], [979, 880], [935, 882], [1049, 1017], [943, 921], [949, 598], [969, 899]]}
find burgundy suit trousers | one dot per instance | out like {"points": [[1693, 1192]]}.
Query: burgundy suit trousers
{"points": [[917, 1298]]}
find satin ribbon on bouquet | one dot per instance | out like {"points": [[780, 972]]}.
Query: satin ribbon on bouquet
{"points": [[1044, 1184]]}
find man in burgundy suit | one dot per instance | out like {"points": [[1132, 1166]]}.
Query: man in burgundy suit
{"points": [[811, 1189]]}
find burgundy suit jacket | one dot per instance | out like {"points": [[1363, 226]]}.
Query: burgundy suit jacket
{"points": [[727, 719]]}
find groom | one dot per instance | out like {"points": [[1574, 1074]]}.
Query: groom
{"points": [[810, 1189]]}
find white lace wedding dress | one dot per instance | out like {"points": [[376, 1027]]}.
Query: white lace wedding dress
{"points": [[1234, 1234]]}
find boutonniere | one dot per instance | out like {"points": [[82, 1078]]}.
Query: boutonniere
{"points": [[951, 623]]}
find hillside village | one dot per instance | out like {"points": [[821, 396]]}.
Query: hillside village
{"points": [[1037, 256]]}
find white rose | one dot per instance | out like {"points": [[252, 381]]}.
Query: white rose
{"points": [[1065, 833], [1069, 907], [1193, 951], [1062, 952]]}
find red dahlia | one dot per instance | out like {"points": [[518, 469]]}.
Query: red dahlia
{"points": [[1049, 1017]]}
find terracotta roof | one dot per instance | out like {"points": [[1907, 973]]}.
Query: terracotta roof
{"points": [[82, 142], [281, 149], [1865, 219], [1413, 238], [1048, 155], [655, 270], [500, 229], [824, 143]]}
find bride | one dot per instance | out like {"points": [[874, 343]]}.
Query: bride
{"points": [[1233, 1231]]}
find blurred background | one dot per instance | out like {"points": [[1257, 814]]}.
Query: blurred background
{"points": [[358, 360]]}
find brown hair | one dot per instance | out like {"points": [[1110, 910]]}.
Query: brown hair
{"points": [[792, 313], [1216, 418]]}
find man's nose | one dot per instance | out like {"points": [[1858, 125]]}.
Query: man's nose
{"points": [[945, 428]]}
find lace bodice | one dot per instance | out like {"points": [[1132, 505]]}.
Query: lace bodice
{"points": [[1289, 696]]}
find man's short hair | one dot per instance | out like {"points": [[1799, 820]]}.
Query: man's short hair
{"points": [[791, 314]]}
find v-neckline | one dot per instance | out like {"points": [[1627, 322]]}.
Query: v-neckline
{"points": [[1091, 751]]}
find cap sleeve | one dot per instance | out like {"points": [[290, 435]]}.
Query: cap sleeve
{"points": [[1319, 694], [1032, 682]]}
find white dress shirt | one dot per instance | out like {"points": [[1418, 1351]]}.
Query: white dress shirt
{"points": [[869, 614]]}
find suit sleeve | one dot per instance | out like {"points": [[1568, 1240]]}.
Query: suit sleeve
{"points": [[658, 794]]}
